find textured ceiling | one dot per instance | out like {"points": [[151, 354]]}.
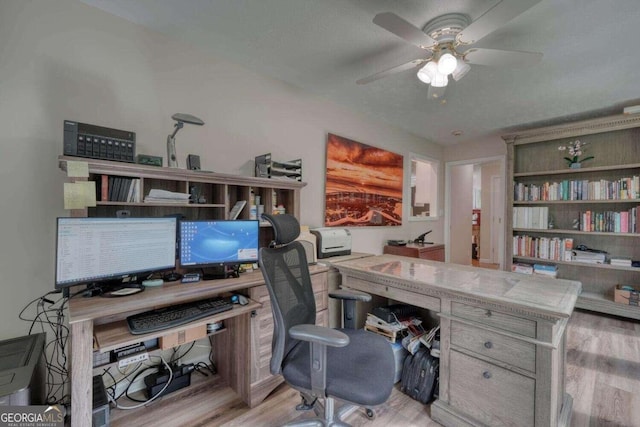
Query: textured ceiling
{"points": [[590, 63]]}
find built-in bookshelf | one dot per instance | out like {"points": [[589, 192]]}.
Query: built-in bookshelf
{"points": [[596, 205]]}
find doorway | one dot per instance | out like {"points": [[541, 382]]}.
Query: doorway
{"points": [[474, 213]]}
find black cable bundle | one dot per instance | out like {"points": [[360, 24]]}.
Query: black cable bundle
{"points": [[49, 317]]}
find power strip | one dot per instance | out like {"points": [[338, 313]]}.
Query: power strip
{"points": [[136, 358]]}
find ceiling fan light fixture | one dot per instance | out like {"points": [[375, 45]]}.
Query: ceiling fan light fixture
{"points": [[440, 80], [423, 75], [447, 63], [461, 70]]}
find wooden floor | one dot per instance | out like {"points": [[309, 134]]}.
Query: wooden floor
{"points": [[476, 263], [603, 376]]}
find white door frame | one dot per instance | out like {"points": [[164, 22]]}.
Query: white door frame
{"points": [[497, 218], [447, 198]]}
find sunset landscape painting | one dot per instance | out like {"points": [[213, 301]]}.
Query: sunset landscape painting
{"points": [[363, 185]]}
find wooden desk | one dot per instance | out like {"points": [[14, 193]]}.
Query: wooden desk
{"points": [[243, 352], [432, 251], [502, 336]]}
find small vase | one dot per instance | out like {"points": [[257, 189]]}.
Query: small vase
{"points": [[576, 165]]}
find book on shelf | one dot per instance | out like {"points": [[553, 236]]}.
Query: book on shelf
{"points": [[620, 261], [549, 270], [104, 188], [522, 268], [588, 256], [531, 217], [627, 188], [236, 209]]}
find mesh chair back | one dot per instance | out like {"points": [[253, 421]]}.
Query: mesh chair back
{"points": [[286, 275]]}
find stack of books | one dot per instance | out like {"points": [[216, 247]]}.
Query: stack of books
{"points": [[546, 270], [522, 268], [588, 257], [620, 261], [167, 197]]}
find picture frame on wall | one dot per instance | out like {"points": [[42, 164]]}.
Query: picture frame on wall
{"points": [[363, 185]]}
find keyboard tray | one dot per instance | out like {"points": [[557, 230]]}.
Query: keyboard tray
{"points": [[176, 315]]}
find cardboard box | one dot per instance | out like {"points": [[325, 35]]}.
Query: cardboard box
{"points": [[186, 335], [624, 295]]}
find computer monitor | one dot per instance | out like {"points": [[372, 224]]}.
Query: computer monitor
{"points": [[92, 250], [218, 243]]}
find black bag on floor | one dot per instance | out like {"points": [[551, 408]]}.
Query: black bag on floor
{"points": [[420, 376]]}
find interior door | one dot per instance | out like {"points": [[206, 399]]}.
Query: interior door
{"points": [[461, 193]]}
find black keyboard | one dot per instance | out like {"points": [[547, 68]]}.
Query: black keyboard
{"points": [[176, 315]]}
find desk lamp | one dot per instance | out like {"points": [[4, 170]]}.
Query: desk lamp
{"points": [[181, 119]]}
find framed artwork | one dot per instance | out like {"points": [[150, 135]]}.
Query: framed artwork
{"points": [[363, 185]]}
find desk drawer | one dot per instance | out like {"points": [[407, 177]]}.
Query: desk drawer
{"points": [[319, 283], [492, 395], [496, 319], [509, 350]]}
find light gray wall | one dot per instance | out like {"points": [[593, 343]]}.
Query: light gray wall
{"points": [[65, 60], [488, 147]]}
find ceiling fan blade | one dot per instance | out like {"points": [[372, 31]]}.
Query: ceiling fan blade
{"points": [[393, 70], [494, 18], [436, 92], [403, 29], [501, 58]]}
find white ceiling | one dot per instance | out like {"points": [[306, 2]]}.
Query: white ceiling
{"points": [[590, 65]]}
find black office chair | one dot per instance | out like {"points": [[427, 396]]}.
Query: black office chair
{"points": [[353, 366]]}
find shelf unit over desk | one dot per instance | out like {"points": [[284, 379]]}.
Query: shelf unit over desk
{"points": [[220, 191]]}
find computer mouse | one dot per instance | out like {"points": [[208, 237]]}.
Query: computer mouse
{"points": [[239, 299]]}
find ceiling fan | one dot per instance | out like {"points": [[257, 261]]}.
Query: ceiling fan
{"points": [[447, 39]]}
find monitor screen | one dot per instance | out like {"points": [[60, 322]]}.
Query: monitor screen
{"points": [[97, 249], [218, 242]]}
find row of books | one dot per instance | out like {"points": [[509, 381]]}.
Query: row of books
{"points": [[562, 249], [118, 189], [531, 217], [548, 270], [590, 257], [611, 221], [621, 189], [551, 248]]}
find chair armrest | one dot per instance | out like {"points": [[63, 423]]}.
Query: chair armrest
{"points": [[319, 334], [350, 294]]}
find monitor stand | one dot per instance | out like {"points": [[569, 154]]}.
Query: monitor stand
{"points": [[223, 272]]}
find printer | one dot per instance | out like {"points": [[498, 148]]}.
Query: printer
{"points": [[332, 241], [22, 371]]}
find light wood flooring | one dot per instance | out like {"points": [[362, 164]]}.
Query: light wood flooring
{"points": [[603, 376], [476, 263]]}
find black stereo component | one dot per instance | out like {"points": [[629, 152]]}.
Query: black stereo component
{"points": [[98, 142], [156, 382]]}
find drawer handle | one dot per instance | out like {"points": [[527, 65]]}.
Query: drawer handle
{"points": [[487, 313], [486, 374], [488, 344]]}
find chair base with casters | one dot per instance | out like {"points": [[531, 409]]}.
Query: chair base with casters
{"points": [[325, 365]]}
